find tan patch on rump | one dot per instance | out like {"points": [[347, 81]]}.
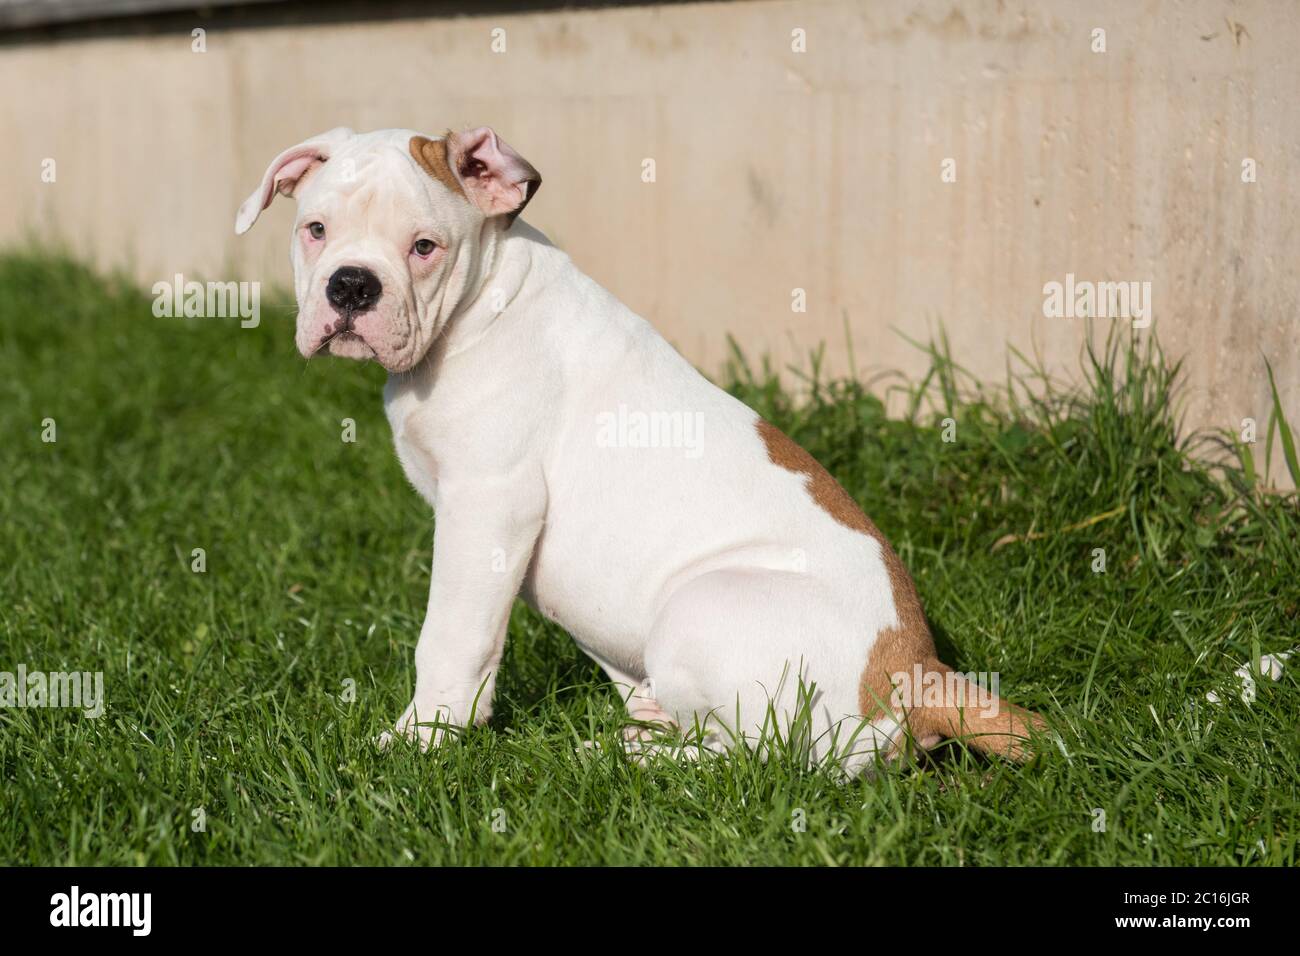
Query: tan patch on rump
{"points": [[431, 154], [825, 490], [897, 649]]}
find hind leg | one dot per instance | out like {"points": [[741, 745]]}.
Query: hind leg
{"points": [[643, 707], [637, 693], [650, 725], [743, 653]]}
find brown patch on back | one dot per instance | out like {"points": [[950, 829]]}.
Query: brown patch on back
{"points": [[431, 154], [897, 649], [825, 490]]}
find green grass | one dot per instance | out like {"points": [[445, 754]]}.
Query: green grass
{"points": [[224, 687]]}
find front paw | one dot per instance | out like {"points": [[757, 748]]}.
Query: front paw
{"points": [[414, 726]]}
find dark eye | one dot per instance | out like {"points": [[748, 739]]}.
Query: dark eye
{"points": [[316, 230], [424, 247]]}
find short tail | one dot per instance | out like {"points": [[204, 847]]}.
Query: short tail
{"points": [[951, 705]]}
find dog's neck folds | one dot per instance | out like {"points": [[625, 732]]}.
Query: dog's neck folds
{"points": [[507, 266]]}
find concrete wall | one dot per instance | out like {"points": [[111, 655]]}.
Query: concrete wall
{"points": [[775, 169]]}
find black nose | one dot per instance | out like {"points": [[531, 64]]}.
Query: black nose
{"points": [[352, 290]]}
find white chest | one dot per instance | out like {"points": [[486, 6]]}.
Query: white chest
{"points": [[402, 406]]}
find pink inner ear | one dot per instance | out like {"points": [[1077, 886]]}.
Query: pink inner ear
{"points": [[285, 172], [497, 178], [284, 176], [292, 170]]}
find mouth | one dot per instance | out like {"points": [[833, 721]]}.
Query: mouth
{"points": [[345, 344]]}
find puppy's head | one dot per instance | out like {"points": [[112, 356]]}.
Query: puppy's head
{"points": [[389, 235]]}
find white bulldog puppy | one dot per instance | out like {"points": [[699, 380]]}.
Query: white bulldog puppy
{"points": [[718, 574]]}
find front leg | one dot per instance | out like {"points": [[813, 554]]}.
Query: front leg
{"points": [[482, 543]]}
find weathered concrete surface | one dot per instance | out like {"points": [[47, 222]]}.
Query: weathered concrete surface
{"points": [[775, 169]]}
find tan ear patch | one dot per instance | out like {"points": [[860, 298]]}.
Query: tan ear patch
{"points": [[431, 154]]}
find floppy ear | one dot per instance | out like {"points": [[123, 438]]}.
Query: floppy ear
{"points": [[496, 178], [285, 171]]}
